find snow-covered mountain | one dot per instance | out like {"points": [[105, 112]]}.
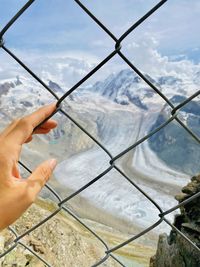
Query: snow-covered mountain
{"points": [[117, 111], [20, 95], [126, 87]]}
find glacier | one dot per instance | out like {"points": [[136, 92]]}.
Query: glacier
{"points": [[118, 111]]}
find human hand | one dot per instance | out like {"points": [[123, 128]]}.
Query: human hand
{"points": [[17, 194]]}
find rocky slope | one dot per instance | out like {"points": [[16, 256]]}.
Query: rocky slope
{"points": [[173, 250], [174, 140], [62, 241]]}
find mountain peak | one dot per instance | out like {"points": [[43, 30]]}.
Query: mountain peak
{"points": [[55, 87], [123, 88], [8, 84]]}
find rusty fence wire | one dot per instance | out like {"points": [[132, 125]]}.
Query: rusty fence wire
{"points": [[117, 43]]}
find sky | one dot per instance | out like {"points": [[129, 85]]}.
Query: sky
{"points": [[61, 29], [62, 25]]}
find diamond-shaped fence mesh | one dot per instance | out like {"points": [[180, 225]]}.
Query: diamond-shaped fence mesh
{"points": [[117, 43]]}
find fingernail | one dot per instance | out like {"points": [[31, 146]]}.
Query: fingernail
{"points": [[52, 163]]}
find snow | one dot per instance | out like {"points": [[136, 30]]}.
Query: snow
{"points": [[123, 201], [119, 126]]}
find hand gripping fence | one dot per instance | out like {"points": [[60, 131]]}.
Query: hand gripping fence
{"points": [[61, 202]]}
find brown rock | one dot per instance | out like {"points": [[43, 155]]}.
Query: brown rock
{"points": [[174, 250]]}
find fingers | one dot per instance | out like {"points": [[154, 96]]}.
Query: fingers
{"points": [[39, 177], [43, 129], [29, 139], [40, 115], [46, 127], [24, 127]]}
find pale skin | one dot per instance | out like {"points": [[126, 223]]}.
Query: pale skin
{"points": [[17, 194]]}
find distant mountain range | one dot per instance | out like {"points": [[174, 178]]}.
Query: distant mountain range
{"points": [[126, 87], [172, 144]]}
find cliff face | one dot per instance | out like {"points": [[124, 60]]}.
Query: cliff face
{"points": [[174, 250]]}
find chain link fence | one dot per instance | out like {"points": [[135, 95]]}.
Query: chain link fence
{"points": [[117, 42]]}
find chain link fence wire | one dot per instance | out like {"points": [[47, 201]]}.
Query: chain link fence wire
{"points": [[117, 43]]}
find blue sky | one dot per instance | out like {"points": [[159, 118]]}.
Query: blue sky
{"points": [[54, 26], [62, 43]]}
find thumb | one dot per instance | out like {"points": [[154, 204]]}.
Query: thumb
{"points": [[41, 175]]}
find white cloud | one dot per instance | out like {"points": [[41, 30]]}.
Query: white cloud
{"points": [[63, 68], [144, 54], [67, 68]]}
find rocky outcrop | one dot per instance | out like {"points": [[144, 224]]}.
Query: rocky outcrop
{"points": [[174, 250]]}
